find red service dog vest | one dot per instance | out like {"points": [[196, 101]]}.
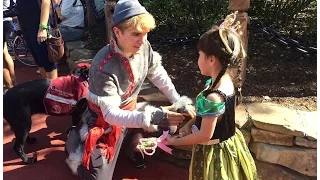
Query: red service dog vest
{"points": [[63, 94]]}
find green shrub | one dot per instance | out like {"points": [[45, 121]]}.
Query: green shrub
{"points": [[180, 17], [292, 17], [183, 17]]}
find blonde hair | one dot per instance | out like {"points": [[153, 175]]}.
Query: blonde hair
{"points": [[143, 22]]}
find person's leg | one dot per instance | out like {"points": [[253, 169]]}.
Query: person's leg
{"points": [[49, 69], [8, 65], [39, 53], [28, 35], [8, 68], [52, 74], [99, 168], [43, 73], [71, 34]]}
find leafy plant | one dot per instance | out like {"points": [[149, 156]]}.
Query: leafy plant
{"points": [[295, 18], [292, 17], [186, 16]]}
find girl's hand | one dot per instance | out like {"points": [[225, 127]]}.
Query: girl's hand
{"points": [[185, 130], [191, 111], [170, 140]]}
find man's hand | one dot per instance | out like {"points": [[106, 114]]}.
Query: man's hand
{"points": [[173, 119], [190, 111], [184, 105], [167, 108], [42, 35]]}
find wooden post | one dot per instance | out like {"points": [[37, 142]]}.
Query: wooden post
{"points": [[91, 19], [242, 7], [108, 11]]}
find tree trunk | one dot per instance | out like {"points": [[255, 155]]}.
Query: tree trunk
{"points": [[242, 6], [91, 19], [108, 11]]}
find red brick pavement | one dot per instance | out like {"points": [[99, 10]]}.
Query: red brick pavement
{"points": [[49, 132]]}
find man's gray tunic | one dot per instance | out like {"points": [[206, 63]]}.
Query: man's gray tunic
{"points": [[109, 84]]}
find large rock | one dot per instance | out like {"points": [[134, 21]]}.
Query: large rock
{"points": [[302, 160], [76, 45], [80, 56], [259, 135], [242, 118], [267, 171], [274, 118], [305, 142]]}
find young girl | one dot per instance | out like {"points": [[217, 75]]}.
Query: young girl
{"points": [[219, 151]]}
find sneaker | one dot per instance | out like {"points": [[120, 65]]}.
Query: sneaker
{"points": [[39, 74], [5, 89], [137, 160]]}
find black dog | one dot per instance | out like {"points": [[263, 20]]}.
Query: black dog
{"points": [[43, 96]]}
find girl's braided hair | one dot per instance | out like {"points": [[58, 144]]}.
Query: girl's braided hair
{"points": [[224, 43]]}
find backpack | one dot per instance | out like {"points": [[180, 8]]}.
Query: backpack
{"points": [[97, 7], [84, 6]]}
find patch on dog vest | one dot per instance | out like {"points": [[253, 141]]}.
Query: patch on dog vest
{"points": [[64, 93]]}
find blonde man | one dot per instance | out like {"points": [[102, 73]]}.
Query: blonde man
{"points": [[116, 75]]}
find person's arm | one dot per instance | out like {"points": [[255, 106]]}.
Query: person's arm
{"points": [[43, 24], [18, 32], [107, 98], [208, 125], [58, 10], [18, 25], [206, 132], [65, 8], [160, 78]]}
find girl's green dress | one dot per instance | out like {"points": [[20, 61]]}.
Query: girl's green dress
{"points": [[231, 158]]}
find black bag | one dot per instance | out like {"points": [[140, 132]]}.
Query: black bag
{"points": [[11, 12]]}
